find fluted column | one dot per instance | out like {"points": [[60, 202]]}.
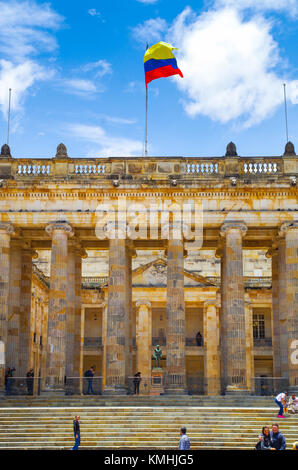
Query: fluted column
{"points": [[290, 231], [25, 338], [77, 312], [6, 231], [117, 335], [233, 312], [12, 352], [211, 340], [60, 232], [144, 341], [175, 322]]}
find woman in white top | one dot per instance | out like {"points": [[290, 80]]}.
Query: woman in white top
{"points": [[280, 400]]}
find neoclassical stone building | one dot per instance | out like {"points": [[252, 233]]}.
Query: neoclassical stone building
{"points": [[97, 268]]}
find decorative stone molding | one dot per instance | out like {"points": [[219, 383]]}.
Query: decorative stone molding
{"points": [[5, 151], [147, 303], [7, 227], [59, 226], [227, 226], [286, 227]]}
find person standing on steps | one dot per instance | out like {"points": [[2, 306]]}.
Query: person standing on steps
{"points": [[280, 400], [136, 381], [184, 442], [76, 431], [30, 381], [90, 374]]}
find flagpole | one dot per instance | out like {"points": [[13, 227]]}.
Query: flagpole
{"points": [[146, 124], [8, 121], [286, 113]]}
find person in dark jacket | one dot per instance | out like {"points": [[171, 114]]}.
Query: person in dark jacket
{"points": [[278, 441], [30, 381], [90, 374], [265, 442], [76, 431], [136, 381], [8, 380]]}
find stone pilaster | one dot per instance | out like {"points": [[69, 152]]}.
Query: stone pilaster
{"points": [[25, 338], [144, 342], [6, 231], [249, 343], [290, 232], [211, 340], [59, 231], [117, 336], [12, 352], [233, 312], [274, 255], [175, 322]]}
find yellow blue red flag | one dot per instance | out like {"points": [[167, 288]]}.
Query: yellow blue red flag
{"points": [[159, 61]]}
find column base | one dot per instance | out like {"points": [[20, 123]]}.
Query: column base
{"points": [[232, 390], [115, 390]]}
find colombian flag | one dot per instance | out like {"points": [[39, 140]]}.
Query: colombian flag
{"points": [[159, 61]]}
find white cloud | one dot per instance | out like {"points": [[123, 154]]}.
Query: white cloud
{"points": [[106, 145], [94, 12], [102, 67], [290, 6], [229, 65], [119, 120], [26, 29], [80, 86], [20, 78], [152, 30]]}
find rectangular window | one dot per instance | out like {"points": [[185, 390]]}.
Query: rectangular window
{"points": [[258, 326]]}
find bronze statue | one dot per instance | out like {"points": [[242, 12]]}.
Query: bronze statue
{"points": [[157, 355]]}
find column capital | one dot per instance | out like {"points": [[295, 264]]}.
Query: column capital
{"points": [[52, 226], [146, 303], [288, 226], [227, 226], [116, 230], [8, 228]]}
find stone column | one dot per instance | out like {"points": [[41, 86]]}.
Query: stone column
{"points": [[249, 344], [118, 312], [6, 231], [70, 316], [282, 308], [273, 254], [211, 340], [233, 313], [60, 231], [12, 351], [78, 308], [25, 337], [290, 232], [144, 343], [175, 322]]}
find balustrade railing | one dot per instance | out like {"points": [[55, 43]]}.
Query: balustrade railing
{"points": [[259, 342], [147, 169]]}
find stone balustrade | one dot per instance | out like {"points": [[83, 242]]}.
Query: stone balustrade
{"points": [[146, 170]]}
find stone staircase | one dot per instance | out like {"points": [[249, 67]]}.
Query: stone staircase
{"points": [[130, 423]]}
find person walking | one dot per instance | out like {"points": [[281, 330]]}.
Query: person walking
{"points": [[30, 381], [77, 434], [280, 400], [136, 382], [184, 442], [277, 439]]}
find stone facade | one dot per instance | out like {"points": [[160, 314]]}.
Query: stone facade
{"points": [[82, 284]]}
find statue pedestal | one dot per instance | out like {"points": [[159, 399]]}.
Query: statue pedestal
{"points": [[157, 387]]}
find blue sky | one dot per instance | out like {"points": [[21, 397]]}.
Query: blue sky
{"points": [[76, 71]]}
